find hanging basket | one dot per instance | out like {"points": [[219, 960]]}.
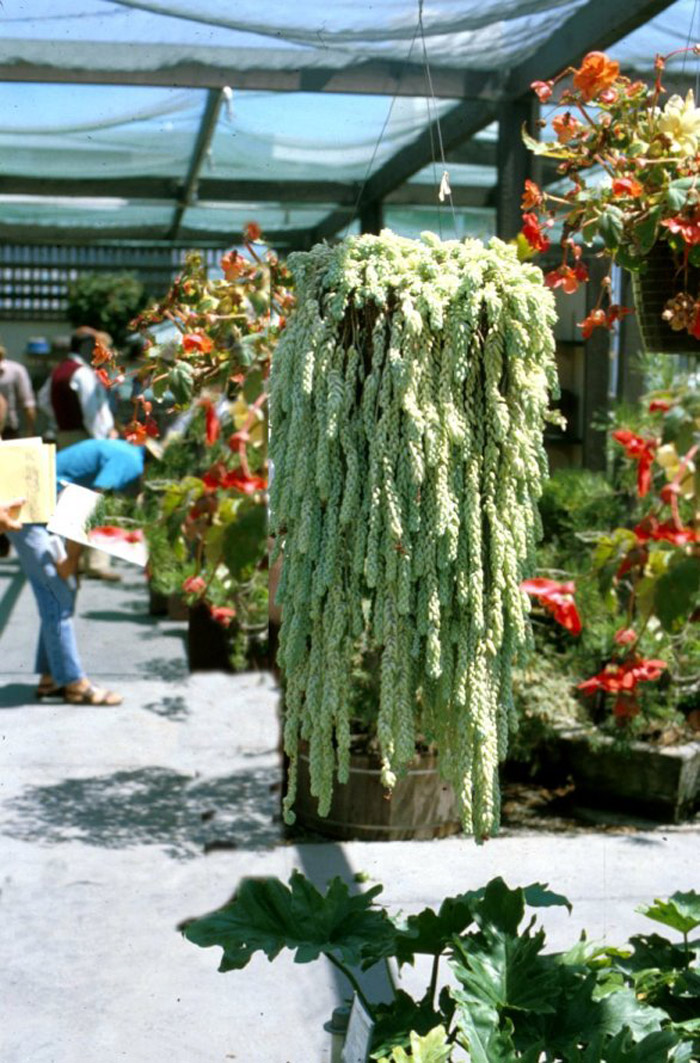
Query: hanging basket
{"points": [[652, 289]]}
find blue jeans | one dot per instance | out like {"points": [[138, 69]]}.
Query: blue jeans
{"points": [[57, 653]]}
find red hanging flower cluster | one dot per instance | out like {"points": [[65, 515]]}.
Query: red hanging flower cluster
{"points": [[557, 599], [621, 678], [641, 450]]}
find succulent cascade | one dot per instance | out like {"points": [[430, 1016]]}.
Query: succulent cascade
{"points": [[407, 403]]}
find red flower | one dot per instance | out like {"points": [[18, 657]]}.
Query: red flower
{"points": [[659, 406], [103, 377], [543, 90], [623, 677], [642, 451], [532, 231], [596, 319], [252, 232], [111, 531], [222, 614], [597, 73], [233, 265], [670, 533], [625, 636], [567, 278], [213, 424], [626, 186], [532, 196], [196, 341], [689, 230], [557, 599], [193, 585], [232, 480]]}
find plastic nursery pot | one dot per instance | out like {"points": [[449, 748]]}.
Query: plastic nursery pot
{"points": [[652, 290]]}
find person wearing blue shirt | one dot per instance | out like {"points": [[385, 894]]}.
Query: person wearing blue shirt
{"points": [[101, 464]]}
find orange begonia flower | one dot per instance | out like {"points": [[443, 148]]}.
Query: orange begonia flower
{"points": [[566, 127], [596, 74], [532, 196]]}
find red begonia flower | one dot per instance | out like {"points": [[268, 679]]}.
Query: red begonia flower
{"points": [[557, 599], [197, 341]]}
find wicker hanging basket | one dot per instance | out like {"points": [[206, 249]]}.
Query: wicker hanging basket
{"points": [[652, 289]]}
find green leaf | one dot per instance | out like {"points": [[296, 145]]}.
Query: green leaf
{"points": [[551, 148], [677, 193], [676, 596], [538, 895], [244, 539], [433, 1048], [428, 933], [505, 971], [653, 1048], [681, 911], [647, 230], [267, 916], [396, 1019], [611, 227], [253, 385], [181, 383], [487, 1043]]}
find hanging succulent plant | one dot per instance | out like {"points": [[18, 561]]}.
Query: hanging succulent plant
{"points": [[408, 399]]}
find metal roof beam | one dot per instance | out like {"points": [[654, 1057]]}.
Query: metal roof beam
{"points": [[215, 98], [220, 190], [597, 25], [185, 66]]}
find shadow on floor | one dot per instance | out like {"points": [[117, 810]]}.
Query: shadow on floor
{"points": [[18, 695], [151, 806]]}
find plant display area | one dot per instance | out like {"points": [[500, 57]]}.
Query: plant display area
{"points": [[408, 400], [508, 1000]]}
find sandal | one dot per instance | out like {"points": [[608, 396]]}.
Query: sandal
{"points": [[91, 695], [49, 690]]}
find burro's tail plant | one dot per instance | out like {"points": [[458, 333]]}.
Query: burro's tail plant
{"points": [[508, 1001], [407, 405]]}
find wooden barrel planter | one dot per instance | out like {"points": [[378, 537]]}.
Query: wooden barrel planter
{"points": [[421, 806], [652, 289]]}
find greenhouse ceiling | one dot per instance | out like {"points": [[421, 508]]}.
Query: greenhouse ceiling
{"points": [[182, 120]]}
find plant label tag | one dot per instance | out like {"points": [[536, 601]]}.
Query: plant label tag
{"points": [[359, 1035]]}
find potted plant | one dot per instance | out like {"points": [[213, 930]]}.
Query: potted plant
{"points": [[507, 998], [210, 491], [408, 397], [636, 655], [629, 164]]}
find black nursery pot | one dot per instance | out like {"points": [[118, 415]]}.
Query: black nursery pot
{"points": [[207, 642], [652, 289]]}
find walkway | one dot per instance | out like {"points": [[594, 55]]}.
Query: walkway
{"points": [[116, 824]]}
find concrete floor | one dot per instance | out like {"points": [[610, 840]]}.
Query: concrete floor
{"points": [[116, 824]]}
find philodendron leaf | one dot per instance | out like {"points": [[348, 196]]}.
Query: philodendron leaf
{"points": [[267, 916], [506, 971], [489, 1042], [430, 933], [433, 1047], [681, 911], [654, 1048], [397, 1019]]}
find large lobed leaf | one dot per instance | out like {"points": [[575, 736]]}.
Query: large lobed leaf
{"points": [[267, 916], [681, 911]]}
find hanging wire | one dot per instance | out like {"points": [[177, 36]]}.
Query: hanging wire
{"points": [[444, 190], [380, 138], [687, 44]]}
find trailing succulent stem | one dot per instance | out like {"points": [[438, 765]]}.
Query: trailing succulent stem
{"points": [[407, 402]]}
